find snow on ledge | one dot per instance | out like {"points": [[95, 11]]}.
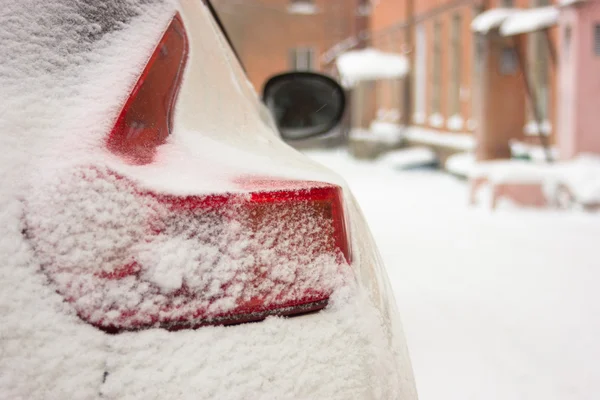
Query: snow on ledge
{"points": [[379, 131], [302, 8], [455, 123], [491, 19], [459, 141], [419, 117], [530, 20], [567, 3], [436, 120], [532, 128], [370, 64]]}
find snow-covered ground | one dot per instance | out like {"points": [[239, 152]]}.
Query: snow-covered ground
{"points": [[496, 305]]}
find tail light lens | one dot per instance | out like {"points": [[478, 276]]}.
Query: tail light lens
{"points": [[134, 259], [128, 259], [147, 117]]}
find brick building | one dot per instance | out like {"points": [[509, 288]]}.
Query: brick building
{"points": [[455, 87], [273, 36]]}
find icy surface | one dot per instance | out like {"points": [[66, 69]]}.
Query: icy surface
{"points": [[530, 20], [370, 64], [496, 305]]}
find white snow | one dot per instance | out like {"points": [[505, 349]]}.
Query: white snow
{"points": [[566, 3], [496, 305], [370, 64], [409, 157], [530, 20], [419, 117], [534, 152], [302, 7], [460, 141], [461, 164], [580, 175], [532, 128], [380, 131], [436, 120], [65, 213], [491, 19], [455, 123]]}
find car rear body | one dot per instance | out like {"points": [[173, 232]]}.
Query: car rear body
{"points": [[125, 250]]}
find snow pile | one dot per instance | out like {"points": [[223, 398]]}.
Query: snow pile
{"points": [[566, 3], [460, 164], [380, 131], [491, 19], [302, 7], [580, 176], [532, 128], [410, 158], [436, 120], [455, 122], [370, 64], [530, 20], [460, 141], [533, 152]]}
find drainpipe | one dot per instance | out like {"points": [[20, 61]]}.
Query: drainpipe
{"points": [[531, 95], [407, 97]]}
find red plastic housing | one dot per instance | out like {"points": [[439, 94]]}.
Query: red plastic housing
{"points": [[147, 117]]}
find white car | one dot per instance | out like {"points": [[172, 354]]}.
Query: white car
{"points": [[158, 239]]}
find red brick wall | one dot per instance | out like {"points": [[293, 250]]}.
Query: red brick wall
{"points": [[388, 21], [263, 31]]}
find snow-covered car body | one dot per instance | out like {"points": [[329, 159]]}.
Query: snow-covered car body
{"points": [[111, 237]]}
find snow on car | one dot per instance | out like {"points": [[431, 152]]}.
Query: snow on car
{"points": [[149, 209]]}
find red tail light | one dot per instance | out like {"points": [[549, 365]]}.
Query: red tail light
{"points": [[146, 119], [127, 259], [136, 259]]}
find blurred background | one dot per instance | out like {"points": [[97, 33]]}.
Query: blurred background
{"points": [[472, 142]]}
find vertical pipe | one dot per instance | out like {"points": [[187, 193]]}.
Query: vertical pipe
{"points": [[407, 87], [531, 95]]}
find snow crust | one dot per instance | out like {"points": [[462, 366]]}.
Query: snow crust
{"points": [[436, 120], [530, 20], [455, 122], [370, 64], [581, 176], [461, 141], [460, 164], [63, 211], [410, 158], [491, 19], [380, 131], [302, 7]]}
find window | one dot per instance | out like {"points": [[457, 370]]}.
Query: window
{"points": [[420, 73], [455, 71], [437, 67], [302, 58], [597, 39], [508, 61]]}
